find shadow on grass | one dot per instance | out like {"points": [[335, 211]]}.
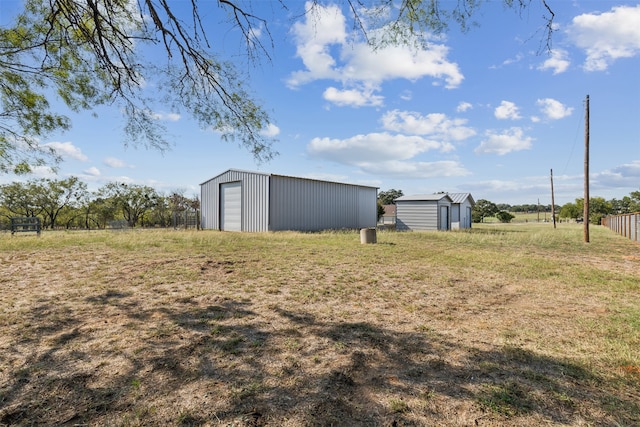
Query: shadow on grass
{"points": [[224, 364]]}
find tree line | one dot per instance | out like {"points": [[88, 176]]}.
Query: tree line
{"points": [[67, 203], [598, 209]]}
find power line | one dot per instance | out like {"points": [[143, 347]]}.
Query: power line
{"points": [[575, 141]]}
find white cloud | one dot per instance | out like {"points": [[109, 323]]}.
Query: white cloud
{"points": [[115, 163], [92, 171], [508, 61], [169, 117], [402, 169], [373, 147], [365, 64], [625, 175], [328, 52], [271, 130], [607, 36], [552, 109], [406, 95], [324, 27], [43, 172], [352, 97], [436, 125], [503, 143], [463, 106], [557, 62], [507, 110], [67, 150]]}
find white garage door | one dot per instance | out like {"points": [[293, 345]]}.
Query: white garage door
{"points": [[231, 206]]}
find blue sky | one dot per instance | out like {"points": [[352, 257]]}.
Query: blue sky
{"points": [[489, 111]]}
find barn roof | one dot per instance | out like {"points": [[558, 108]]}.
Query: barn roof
{"points": [[461, 197], [424, 197], [287, 176]]}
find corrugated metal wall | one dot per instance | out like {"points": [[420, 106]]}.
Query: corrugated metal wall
{"points": [[302, 204], [416, 215], [275, 202], [627, 225], [367, 207], [255, 200], [419, 214], [464, 217]]}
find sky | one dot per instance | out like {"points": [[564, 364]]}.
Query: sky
{"points": [[489, 111]]}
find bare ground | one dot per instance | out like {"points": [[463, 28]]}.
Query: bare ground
{"points": [[301, 331]]}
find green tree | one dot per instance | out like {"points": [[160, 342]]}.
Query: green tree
{"points": [[504, 216], [388, 197], [92, 52], [570, 210], [53, 196], [99, 210], [634, 205], [598, 208], [19, 199], [622, 206], [380, 210], [133, 201], [483, 209]]}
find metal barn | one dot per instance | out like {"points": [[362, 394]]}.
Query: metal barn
{"points": [[461, 207], [253, 201], [424, 212]]}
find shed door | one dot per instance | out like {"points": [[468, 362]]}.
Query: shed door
{"points": [[444, 218], [231, 206]]}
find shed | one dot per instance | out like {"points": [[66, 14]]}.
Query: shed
{"points": [[239, 200], [389, 216], [424, 212], [461, 207]]}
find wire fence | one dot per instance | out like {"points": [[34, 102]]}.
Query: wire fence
{"points": [[187, 219], [627, 225]]}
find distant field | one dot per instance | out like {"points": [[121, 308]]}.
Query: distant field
{"points": [[528, 217], [503, 325]]}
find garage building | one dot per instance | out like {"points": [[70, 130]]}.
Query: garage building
{"points": [[253, 201]]}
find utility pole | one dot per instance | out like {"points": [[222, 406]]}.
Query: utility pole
{"points": [[553, 202], [585, 215]]}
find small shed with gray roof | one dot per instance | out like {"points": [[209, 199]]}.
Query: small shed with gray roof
{"points": [[424, 212]]}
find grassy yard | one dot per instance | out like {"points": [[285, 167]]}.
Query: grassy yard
{"points": [[502, 325]]}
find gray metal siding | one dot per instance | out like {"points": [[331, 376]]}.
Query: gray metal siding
{"points": [[308, 205], [275, 202], [421, 215], [367, 207], [455, 212], [416, 215], [255, 200], [464, 219]]}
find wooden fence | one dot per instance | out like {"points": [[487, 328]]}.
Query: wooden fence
{"points": [[627, 225]]}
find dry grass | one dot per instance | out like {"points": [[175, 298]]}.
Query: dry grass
{"points": [[503, 325]]}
